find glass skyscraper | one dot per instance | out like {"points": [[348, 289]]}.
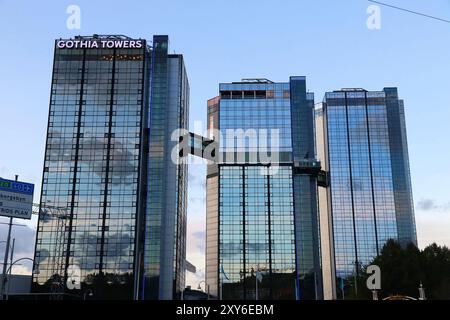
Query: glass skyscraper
{"points": [[361, 137], [262, 237], [114, 104]]}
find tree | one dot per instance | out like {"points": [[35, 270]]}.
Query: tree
{"points": [[437, 271], [403, 269]]}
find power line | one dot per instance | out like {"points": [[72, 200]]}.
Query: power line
{"points": [[410, 11]]}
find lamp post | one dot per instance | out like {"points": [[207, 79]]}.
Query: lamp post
{"points": [[206, 287], [5, 262], [10, 268], [421, 292]]}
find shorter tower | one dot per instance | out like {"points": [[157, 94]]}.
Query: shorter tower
{"points": [[262, 221], [361, 138]]}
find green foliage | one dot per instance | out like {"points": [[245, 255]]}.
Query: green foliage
{"points": [[402, 271]]}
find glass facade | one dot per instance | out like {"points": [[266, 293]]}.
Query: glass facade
{"points": [[256, 232], [95, 167], [359, 156], [256, 113], [305, 192], [398, 143], [263, 213], [164, 252]]}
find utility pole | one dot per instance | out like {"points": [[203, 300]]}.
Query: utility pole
{"points": [[10, 268], [5, 260]]}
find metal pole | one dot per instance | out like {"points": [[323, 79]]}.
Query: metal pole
{"points": [[10, 268], [421, 292], [256, 279], [220, 287], [5, 260], [256, 288], [315, 286], [356, 278], [375, 294]]}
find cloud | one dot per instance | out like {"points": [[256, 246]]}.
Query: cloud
{"points": [[197, 200], [432, 205], [426, 205], [123, 159], [23, 269], [23, 247], [197, 178], [25, 238], [195, 251], [199, 238], [432, 228]]}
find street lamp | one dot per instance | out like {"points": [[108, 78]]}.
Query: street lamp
{"points": [[421, 292], [206, 287], [10, 269], [12, 264], [4, 278]]}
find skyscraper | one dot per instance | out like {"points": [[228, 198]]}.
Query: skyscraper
{"points": [[121, 234], [262, 222], [361, 137]]}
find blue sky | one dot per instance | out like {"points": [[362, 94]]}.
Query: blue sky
{"points": [[222, 41]]}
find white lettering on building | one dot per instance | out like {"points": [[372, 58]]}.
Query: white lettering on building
{"points": [[99, 44]]}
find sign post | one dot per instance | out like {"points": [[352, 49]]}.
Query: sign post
{"points": [[16, 201], [5, 260]]}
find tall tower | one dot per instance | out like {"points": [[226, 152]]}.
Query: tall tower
{"points": [[114, 102], [262, 213]]}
